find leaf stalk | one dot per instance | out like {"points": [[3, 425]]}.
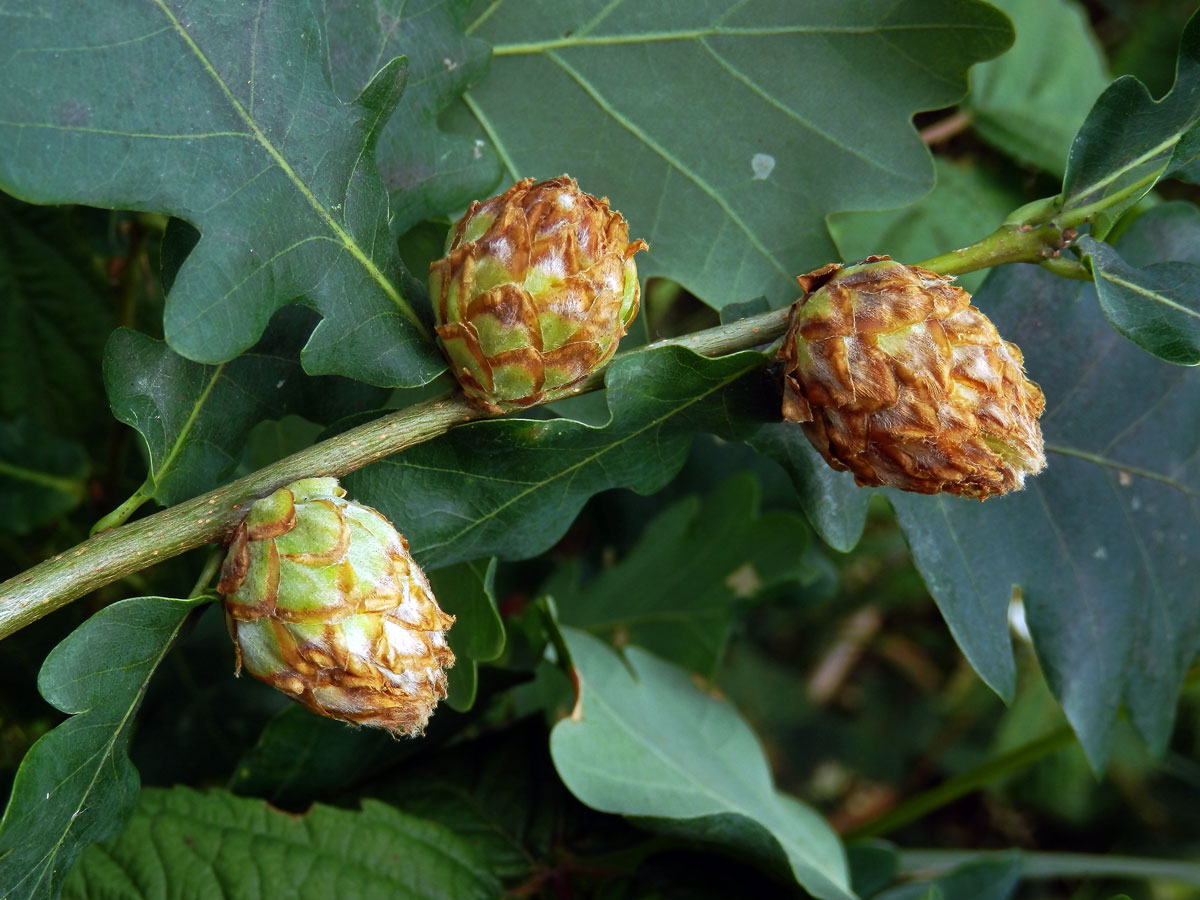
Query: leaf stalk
{"points": [[1037, 233], [1034, 865], [968, 782], [1010, 243], [121, 514]]}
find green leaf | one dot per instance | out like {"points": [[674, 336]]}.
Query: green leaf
{"points": [[968, 199], [1129, 140], [1062, 866], [630, 89], [427, 171], [224, 117], [1156, 307], [498, 792], [645, 741], [509, 488], [214, 845], [676, 592], [76, 785], [271, 440], [833, 504], [994, 877], [873, 865], [300, 755], [1030, 101], [1103, 544], [195, 418], [54, 316], [41, 476], [467, 592]]}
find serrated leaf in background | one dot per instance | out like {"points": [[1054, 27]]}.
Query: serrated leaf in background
{"points": [[41, 476], [1104, 543], [510, 488], [54, 316], [1156, 306], [676, 592], [1030, 101], [225, 117], [195, 418], [183, 842], [467, 592], [428, 171], [646, 741], [969, 199], [1129, 140], [77, 786], [700, 121]]}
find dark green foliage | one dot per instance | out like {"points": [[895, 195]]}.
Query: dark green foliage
{"points": [[1113, 518], [510, 488], [77, 785], [428, 171], [41, 476], [53, 322], [1155, 307], [1129, 140], [185, 843], [677, 591], [282, 190], [468, 592], [693, 661], [194, 419]]}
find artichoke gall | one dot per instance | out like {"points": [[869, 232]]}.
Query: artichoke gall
{"points": [[896, 377], [324, 602], [536, 288]]}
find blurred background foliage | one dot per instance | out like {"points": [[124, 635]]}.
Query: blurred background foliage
{"points": [[841, 663]]}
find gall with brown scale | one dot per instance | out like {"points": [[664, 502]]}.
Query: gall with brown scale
{"points": [[897, 378], [324, 602], [536, 288]]}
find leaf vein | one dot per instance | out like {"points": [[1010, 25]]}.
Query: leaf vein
{"points": [[667, 157], [322, 212]]}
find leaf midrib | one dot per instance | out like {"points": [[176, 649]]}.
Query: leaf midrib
{"points": [[729, 804], [1104, 461], [177, 445], [1148, 293], [651, 37], [698, 180], [105, 752], [347, 241]]}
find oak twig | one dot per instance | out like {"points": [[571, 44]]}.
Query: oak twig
{"points": [[118, 552]]}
